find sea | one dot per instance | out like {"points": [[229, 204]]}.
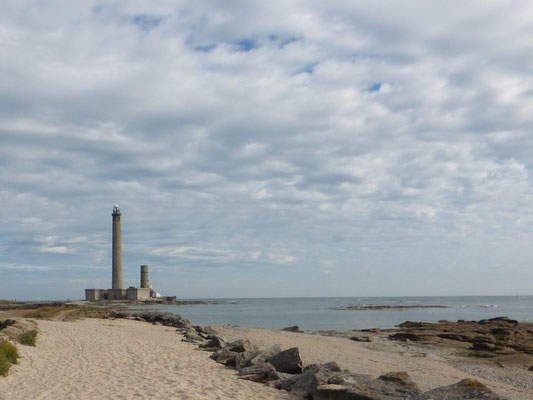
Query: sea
{"points": [[330, 313]]}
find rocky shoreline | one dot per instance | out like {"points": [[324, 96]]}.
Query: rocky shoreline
{"points": [[285, 370]]}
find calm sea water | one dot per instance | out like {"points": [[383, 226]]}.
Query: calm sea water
{"points": [[320, 313]]}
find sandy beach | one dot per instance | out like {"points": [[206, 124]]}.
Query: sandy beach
{"points": [[124, 359], [120, 359]]}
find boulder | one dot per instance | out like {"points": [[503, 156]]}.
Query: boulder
{"points": [[347, 385], [252, 357], [466, 389], [360, 338], [294, 328], [6, 323], [205, 331], [257, 373], [241, 345], [246, 358], [223, 355], [288, 361], [339, 392], [305, 384], [397, 382], [505, 320], [167, 319], [213, 343], [333, 366], [192, 337], [405, 336]]}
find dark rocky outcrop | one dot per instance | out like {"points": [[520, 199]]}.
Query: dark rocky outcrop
{"points": [[294, 328], [464, 390], [489, 337], [361, 338]]}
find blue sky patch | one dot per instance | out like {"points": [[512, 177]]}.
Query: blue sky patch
{"points": [[147, 22], [205, 49], [374, 87], [287, 41], [245, 45], [308, 68]]}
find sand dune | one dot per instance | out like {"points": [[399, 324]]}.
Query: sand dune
{"points": [[120, 359]]}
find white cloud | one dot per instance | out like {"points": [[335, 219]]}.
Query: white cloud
{"points": [[240, 136]]}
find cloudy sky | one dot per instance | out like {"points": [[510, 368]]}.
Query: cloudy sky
{"points": [[265, 149]]}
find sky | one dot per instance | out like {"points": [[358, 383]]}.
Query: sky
{"points": [[267, 149]]}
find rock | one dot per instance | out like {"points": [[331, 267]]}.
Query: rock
{"points": [[241, 345], [361, 338], [252, 357], [167, 319], [214, 342], [257, 373], [223, 355], [483, 343], [337, 379], [530, 368], [278, 376], [305, 384], [339, 392], [294, 328], [464, 390], [192, 337], [506, 320], [332, 366], [347, 385], [404, 336], [205, 330], [6, 323], [454, 336], [288, 361], [401, 379], [244, 359]]}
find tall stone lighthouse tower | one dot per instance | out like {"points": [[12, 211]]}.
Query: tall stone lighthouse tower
{"points": [[117, 251]]}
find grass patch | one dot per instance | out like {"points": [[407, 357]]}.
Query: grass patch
{"points": [[474, 354], [45, 312], [28, 338], [8, 356]]}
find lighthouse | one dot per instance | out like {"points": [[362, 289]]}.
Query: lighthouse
{"points": [[117, 282], [117, 291]]}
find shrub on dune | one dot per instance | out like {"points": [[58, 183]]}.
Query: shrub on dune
{"points": [[8, 355]]}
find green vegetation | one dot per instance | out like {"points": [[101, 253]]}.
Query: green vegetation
{"points": [[8, 356], [45, 312], [474, 354], [28, 338], [67, 312]]}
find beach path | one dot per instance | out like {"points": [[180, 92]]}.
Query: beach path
{"points": [[121, 359]]}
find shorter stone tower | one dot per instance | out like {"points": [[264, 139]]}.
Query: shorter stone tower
{"points": [[144, 277]]}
